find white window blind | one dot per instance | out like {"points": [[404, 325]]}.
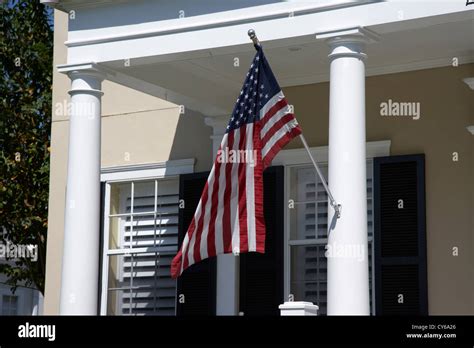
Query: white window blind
{"points": [[143, 239], [9, 305], [308, 235]]}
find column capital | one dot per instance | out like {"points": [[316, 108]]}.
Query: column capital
{"points": [[349, 42], [86, 77], [83, 69], [218, 124]]}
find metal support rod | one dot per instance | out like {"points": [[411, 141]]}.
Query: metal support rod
{"points": [[337, 207], [332, 201]]}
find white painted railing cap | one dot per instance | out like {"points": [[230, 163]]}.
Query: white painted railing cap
{"points": [[298, 308]]}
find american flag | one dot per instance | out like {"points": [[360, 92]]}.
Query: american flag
{"points": [[229, 216]]}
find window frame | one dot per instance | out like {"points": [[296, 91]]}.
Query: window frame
{"points": [[168, 170], [299, 157]]}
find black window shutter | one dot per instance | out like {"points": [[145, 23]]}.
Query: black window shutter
{"points": [[261, 275], [198, 282], [400, 236]]}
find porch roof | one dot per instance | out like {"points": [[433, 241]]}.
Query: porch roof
{"points": [[200, 60]]}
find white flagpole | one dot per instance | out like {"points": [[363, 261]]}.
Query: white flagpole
{"points": [[332, 201]]}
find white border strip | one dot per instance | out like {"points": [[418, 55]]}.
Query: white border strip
{"points": [[320, 153], [148, 170]]}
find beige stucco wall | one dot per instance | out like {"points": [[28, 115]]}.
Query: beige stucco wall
{"points": [[138, 128]]}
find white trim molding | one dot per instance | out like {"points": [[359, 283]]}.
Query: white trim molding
{"points": [[93, 69], [223, 19], [365, 34], [147, 170], [320, 153], [84, 68]]}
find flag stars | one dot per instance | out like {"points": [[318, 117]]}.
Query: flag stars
{"points": [[254, 94]]}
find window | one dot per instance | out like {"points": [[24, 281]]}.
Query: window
{"points": [[308, 235], [141, 237], [9, 305]]}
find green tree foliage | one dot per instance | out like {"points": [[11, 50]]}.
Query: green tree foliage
{"points": [[26, 46]]}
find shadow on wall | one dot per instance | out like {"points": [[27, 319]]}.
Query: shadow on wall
{"points": [[192, 140]]}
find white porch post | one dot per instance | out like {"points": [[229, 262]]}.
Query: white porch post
{"points": [[80, 266], [227, 287], [348, 279]]}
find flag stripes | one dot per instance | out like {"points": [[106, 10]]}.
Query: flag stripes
{"points": [[229, 217]]}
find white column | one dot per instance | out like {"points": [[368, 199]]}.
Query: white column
{"points": [[80, 266], [348, 278], [227, 291]]}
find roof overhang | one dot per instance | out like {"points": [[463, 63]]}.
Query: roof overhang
{"points": [[200, 60]]}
